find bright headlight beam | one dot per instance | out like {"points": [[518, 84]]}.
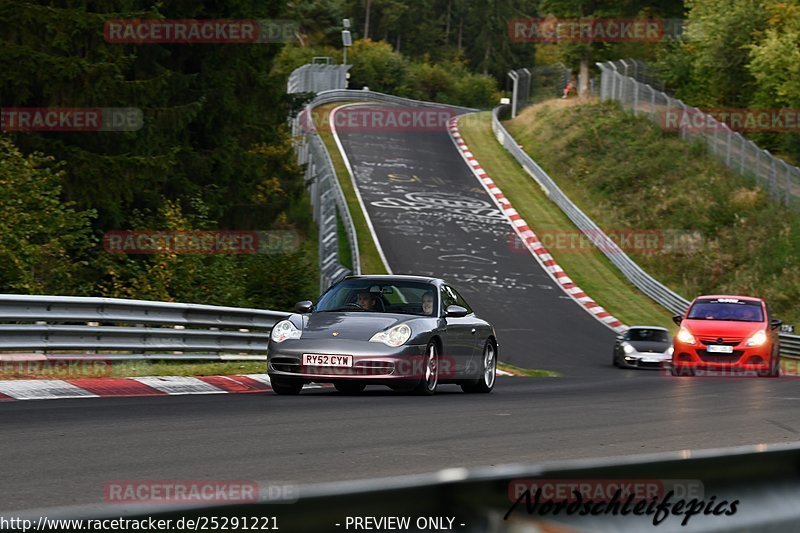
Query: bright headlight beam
{"points": [[685, 336], [758, 338]]}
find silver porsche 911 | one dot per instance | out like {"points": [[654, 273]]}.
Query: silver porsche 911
{"points": [[407, 332]]}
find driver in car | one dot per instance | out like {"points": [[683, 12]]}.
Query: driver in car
{"points": [[367, 301]]}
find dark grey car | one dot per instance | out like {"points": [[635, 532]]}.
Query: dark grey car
{"points": [[643, 347], [407, 332]]}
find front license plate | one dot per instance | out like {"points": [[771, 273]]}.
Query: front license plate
{"points": [[713, 348], [327, 360]]}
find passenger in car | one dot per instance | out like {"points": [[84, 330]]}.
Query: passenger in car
{"points": [[427, 303]]}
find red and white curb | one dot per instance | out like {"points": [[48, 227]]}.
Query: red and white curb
{"points": [[50, 389], [528, 237]]}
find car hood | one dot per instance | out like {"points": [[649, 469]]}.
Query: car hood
{"points": [[351, 325], [722, 328], [650, 346]]}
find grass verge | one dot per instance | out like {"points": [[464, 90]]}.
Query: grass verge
{"points": [[370, 259], [123, 369], [588, 267], [517, 371]]}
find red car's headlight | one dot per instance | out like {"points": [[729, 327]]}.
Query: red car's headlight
{"points": [[685, 336], [757, 339]]}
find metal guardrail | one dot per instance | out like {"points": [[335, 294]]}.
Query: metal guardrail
{"points": [[68, 323], [316, 78], [762, 479], [675, 303]]}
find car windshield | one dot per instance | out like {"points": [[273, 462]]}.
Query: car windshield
{"points": [[644, 334], [731, 309], [408, 298]]}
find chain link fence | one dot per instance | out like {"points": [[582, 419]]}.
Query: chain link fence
{"points": [[619, 82], [537, 84]]}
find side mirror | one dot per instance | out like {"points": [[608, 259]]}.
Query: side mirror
{"points": [[456, 311], [304, 307], [677, 319], [775, 324]]}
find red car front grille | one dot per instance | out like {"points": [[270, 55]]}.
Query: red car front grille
{"points": [[726, 341]]}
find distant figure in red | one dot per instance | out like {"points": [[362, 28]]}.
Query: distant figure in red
{"points": [[567, 89]]}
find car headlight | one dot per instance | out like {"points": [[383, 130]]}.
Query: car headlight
{"points": [[394, 336], [685, 336], [627, 348], [670, 350], [758, 338], [284, 330]]}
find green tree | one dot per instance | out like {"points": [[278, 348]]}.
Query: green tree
{"points": [[43, 241]]}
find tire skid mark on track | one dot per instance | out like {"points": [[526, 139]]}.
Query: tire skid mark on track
{"points": [[527, 236]]}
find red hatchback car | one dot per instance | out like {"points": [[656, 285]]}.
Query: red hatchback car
{"points": [[727, 333]]}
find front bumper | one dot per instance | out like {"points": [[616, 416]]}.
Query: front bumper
{"points": [[372, 361], [747, 358], [654, 360]]}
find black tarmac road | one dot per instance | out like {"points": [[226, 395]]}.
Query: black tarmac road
{"points": [[62, 452], [431, 217]]}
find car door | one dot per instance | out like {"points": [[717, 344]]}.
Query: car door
{"points": [[461, 331]]}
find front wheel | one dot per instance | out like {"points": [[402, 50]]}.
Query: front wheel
{"points": [[488, 371], [430, 378], [774, 368], [286, 387]]}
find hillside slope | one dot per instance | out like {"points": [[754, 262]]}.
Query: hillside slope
{"points": [[717, 232]]}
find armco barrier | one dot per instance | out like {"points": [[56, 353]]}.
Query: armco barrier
{"points": [[790, 344], [762, 479], [145, 329]]}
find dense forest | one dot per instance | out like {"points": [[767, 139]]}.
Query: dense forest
{"points": [[214, 151]]}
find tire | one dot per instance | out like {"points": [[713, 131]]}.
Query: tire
{"points": [[774, 369], [485, 383], [349, 387], [289, 388], [430, 378], [614, 360]]}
